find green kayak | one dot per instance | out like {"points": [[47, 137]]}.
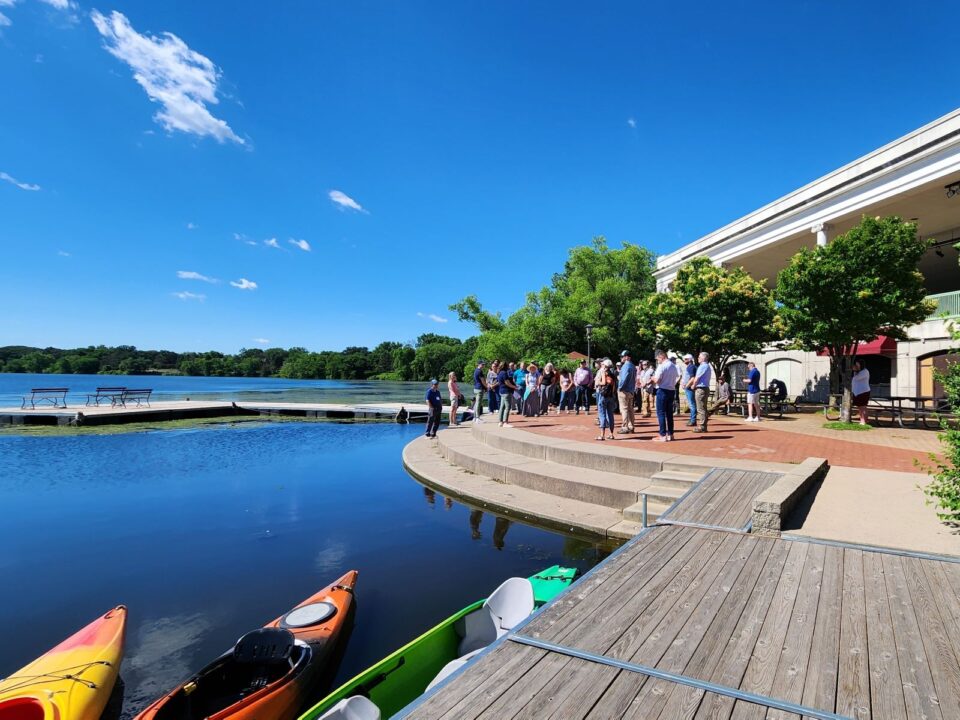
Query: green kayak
{"points": [[398, 679]]}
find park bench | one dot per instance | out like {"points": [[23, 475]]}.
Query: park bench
{"points": [[55, 396], [105, 393], [139, 396]]}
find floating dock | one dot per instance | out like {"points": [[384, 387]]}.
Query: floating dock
{"points": [[698, 620], [191, 409]]}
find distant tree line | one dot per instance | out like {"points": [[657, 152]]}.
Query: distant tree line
{"points": [[431, 355]]}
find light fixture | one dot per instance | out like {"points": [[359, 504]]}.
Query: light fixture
{"points": [[953, 189]]}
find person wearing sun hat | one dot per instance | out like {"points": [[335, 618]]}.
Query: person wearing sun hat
{"points": [[434, 408]]}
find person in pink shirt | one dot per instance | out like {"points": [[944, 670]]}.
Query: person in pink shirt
{"points": [[582, 382]]}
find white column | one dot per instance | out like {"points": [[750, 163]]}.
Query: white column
{"points": [[820, 229]]}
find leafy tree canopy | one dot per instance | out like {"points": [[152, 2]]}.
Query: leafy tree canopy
{"points": [[864, 284], [598, 285], [724, 312]]}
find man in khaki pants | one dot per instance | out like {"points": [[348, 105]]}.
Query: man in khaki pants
{"points": [[626, 386], [700, 383]]}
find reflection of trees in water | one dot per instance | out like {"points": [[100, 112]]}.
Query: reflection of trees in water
{"points": [[584, 550], [430, 495], [475, 517], [500, 532]]}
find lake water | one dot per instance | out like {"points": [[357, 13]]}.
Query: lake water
{"points": [[177, 387], [207, 533]]}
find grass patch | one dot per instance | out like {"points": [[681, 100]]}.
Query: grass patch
{"points": [[159, 426], [837, 425]]}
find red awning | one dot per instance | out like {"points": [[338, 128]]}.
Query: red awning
{"points": [[881, 346]]}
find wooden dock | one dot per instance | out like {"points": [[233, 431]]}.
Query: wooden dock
{"points": [[688, 622], [721, 500], [188, 409]]}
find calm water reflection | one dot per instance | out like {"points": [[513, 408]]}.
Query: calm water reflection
{"points": [[207, 533]]}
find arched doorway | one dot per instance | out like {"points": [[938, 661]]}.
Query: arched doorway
{"points": [[789, 371], [928, 385]]}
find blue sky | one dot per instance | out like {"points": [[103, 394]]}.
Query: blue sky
{"points": [[366, 164]]}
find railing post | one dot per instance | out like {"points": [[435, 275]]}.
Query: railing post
{"points": [[643, 497]]}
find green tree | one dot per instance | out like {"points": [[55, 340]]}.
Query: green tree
{"points": [[598, 286], [862, 285], [724, 312]]}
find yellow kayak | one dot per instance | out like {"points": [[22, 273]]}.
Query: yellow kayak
{"points": [[73, 681]]}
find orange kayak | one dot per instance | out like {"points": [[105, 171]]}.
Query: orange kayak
{"points": [[269, 672], [72, 681]]}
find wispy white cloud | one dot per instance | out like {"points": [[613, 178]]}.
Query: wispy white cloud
{"points": [[187, 295], [191, 275], [431, 316], [5, 20], [345, 202], [192, 226], [631, 122], [244, 284], [272, 242], [302, 244], [261, 341], [61, 4], [181, 80], [63, 253], [244, 238], [13, 181]]}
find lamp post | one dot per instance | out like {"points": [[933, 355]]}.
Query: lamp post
{"points": [[589, 335]]}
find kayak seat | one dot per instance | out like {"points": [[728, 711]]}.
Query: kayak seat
{"points": [[451, 667], [266, 646], [506, 607], [352, 708]]}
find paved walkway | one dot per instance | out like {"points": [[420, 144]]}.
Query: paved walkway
{"points": [[792, 440], [874, 508]]}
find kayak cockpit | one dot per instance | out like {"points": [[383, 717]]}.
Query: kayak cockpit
{"points": [[260, 659], [25, 708]]}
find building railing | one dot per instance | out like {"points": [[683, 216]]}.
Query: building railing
{"points": [[948, 304]]}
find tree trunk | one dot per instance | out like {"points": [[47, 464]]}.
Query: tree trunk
{"points": [[845, 378]]}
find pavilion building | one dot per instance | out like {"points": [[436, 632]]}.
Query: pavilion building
{"points": [[916, 177]]}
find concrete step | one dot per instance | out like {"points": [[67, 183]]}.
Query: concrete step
{"points": [[608, 489], [634, 513], [679, 479], [422, 458]]}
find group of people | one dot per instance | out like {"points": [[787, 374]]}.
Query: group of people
{"points": [[619, 387]]}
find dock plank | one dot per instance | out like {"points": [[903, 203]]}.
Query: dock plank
{"points": [[677, 635], [853, 678], [682, 702], [731, 669], [931, 594], [822, 671], [791, 675], [886, 692], [920, 695], [762, 667]]}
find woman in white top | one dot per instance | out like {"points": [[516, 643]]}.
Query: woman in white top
{"points": [[454, 390], [860, 388]]}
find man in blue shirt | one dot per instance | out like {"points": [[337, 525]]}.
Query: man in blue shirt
{"points": [[665, 378], [701, 390], [753, 393], [434, 408], [479, 388], [686, 383], [626, 387], [505, 387]]}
